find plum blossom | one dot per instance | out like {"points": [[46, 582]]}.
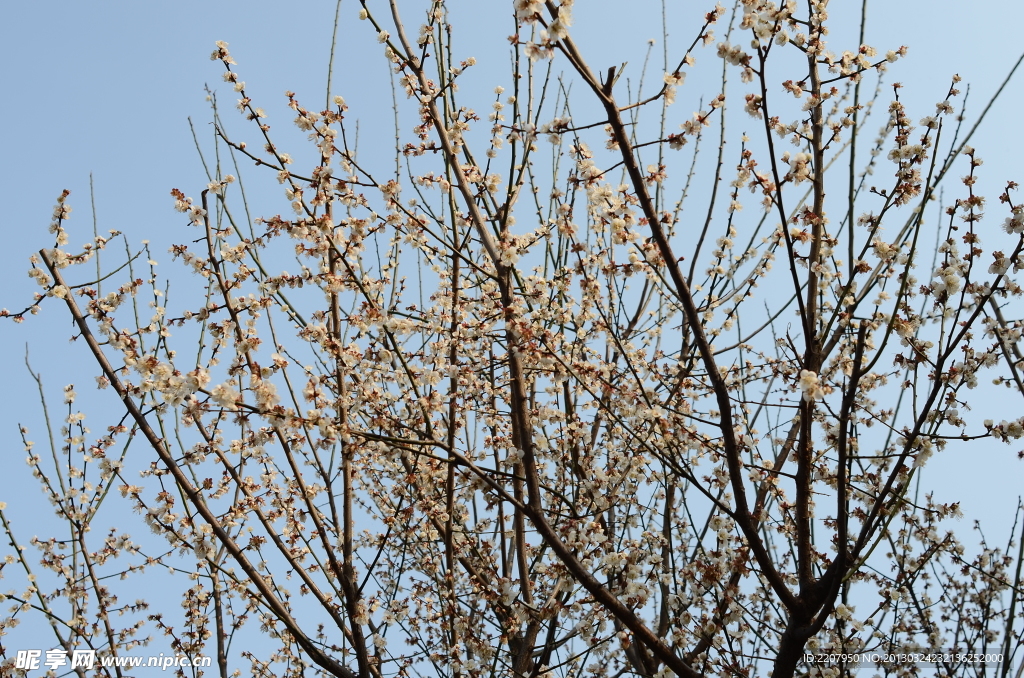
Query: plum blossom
{"points": [[810, 386]]}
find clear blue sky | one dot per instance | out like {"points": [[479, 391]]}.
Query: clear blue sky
{"points": [[107, 88]]}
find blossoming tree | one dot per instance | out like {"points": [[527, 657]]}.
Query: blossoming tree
{"points": [[632, 402]]}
